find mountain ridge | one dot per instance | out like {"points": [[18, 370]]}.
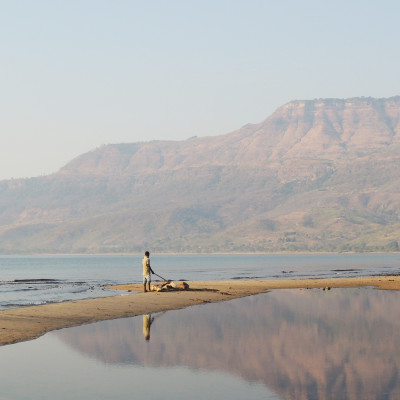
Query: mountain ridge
{"points": [[316, 175], [316, 137]]}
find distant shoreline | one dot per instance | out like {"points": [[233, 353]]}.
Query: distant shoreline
{"points": [[198, 254], [28, 323]]}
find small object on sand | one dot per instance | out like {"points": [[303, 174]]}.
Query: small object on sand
{"points": [[183, 286]]}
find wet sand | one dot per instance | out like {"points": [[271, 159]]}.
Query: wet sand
{"points": [[21, 324]]}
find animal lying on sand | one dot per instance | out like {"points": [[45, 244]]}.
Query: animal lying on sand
{"points": [[169, 286]]}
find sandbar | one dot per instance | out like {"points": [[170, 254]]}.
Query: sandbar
{"points": [[28, 323]]}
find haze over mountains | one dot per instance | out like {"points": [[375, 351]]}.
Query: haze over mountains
{"points": [[318, 175]]}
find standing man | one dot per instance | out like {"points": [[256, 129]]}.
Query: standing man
{"points": [[147, 271]]}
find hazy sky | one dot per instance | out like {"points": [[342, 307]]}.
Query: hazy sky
{"points": [[79, 74]]}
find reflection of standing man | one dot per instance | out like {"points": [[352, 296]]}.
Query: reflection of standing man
{"points": [[147, 320], [147, 271]]}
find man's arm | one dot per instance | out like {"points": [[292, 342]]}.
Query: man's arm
{"points": [[151, 270]]}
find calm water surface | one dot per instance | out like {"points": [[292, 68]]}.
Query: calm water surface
{"points": [[28, 280], [341, 344]]}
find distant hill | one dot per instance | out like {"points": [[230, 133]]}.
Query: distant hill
{"points": [[319, 175]]}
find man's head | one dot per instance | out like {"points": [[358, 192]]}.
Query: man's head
{"points": [[147, 254]]}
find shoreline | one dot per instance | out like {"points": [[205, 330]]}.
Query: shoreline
{"points": [[28, 323], [223, 253]]}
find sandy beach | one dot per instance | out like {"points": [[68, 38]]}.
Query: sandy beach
{"points": [[31, 322]]}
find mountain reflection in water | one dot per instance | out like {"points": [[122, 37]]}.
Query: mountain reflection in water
{"points": [[301, 344]]}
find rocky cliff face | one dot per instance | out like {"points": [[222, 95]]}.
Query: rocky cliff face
{"points": [[315, 175], [317, 129]]}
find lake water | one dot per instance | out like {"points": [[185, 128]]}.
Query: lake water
{"points": [[36, 280], [342, 344]]}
